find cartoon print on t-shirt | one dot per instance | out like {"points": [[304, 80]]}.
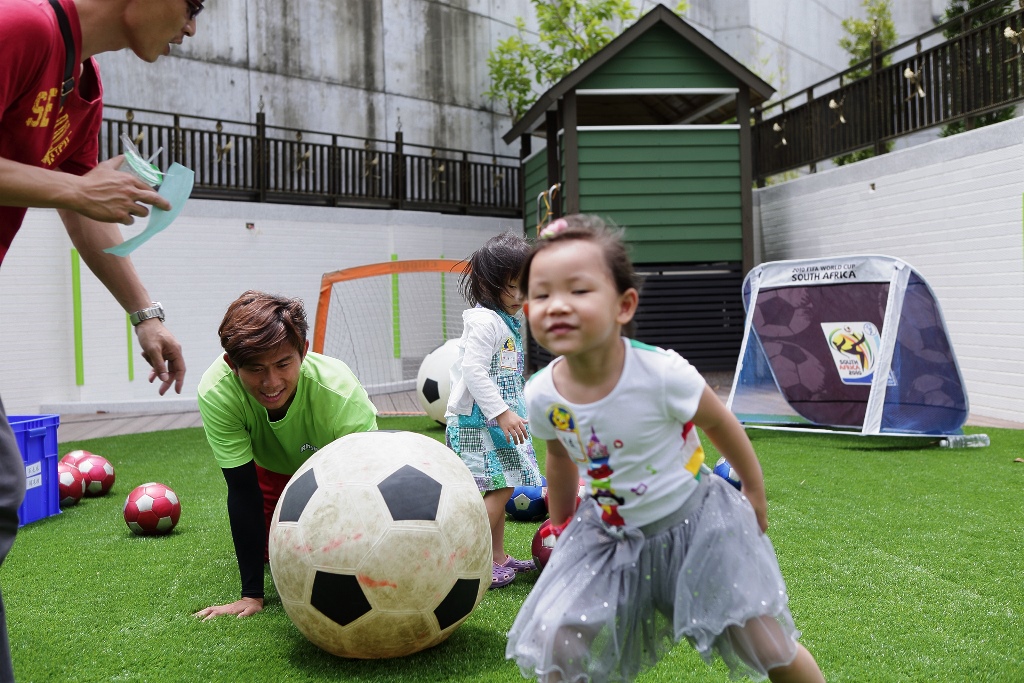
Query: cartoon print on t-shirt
{"points": [[697, 459], [564, 422], [600, 472], [597, 454]]}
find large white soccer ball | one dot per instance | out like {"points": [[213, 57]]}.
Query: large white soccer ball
{"points": [[433, 382], [380, 545]]}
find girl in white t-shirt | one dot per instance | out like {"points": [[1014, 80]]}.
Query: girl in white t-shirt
{"points": [[660, 550], [486, 412]]}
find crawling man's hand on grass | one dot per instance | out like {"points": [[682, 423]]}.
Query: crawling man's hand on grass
{"points": [[241, 608]]}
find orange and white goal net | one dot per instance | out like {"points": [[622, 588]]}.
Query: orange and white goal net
{"points": [[382, 319]]}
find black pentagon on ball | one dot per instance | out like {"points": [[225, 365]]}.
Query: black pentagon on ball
{"points": [[299, 492], [777, 311], [339, 597], [459, 602], [411, 494], [430, 390], [794, 353]]}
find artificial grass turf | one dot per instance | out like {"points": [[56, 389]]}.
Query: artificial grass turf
{"points": [[902, 565]]}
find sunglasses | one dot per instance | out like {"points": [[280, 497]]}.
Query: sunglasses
{"points": [[194, 8]]}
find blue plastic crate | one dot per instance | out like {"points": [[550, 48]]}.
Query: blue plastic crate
{"points": [[37, 439]]}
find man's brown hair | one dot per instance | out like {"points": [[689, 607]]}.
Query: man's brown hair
{"points": [[257, 322]]}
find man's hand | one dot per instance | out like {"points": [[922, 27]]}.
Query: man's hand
{"points": [[245, 607], [163, 353], [108, 195]]}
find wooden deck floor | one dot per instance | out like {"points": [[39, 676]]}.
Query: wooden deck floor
{"points": [[76, 427]]}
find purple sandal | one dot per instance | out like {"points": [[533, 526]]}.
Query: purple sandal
{"points": [[501, 575], [518, 566]]}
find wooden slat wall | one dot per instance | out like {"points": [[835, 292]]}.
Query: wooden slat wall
{"points": [[694, 309], [660, 59], [535, 181], [676, 191]]}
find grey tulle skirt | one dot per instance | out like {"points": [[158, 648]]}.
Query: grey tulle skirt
{"points": [[611, 601]]}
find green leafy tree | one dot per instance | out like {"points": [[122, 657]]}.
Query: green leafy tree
{"points": [[957, 9], [569, 33], [876, 28]]}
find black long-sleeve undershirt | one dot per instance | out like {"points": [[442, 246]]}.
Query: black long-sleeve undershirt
{"points": [[248, 527]]}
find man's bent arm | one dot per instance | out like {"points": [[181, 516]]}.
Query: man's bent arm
{"points": [[103, 194]]}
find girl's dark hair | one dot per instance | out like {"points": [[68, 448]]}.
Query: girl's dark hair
{"points": [[584, 227], [491, 268], [257, 322], [591, 229]]}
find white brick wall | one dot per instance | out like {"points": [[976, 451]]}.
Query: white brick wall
{"points": [[195, 269], [952, 208]]}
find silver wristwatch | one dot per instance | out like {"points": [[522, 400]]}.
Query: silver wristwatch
{"points": [[154, 311]]}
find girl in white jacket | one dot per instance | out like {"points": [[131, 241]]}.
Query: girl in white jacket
{"points": [[486, 413]]}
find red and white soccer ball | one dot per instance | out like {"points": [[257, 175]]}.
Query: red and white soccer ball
{"points": [[70, 483], [543, 543], [151, 509], [98, 473], [74, 457], [579, 494]]}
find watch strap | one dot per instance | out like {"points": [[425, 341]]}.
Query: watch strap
{"points": [[154, 311]]}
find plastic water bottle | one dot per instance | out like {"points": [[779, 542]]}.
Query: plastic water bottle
{"points": [[965, 441], [141, 168]]}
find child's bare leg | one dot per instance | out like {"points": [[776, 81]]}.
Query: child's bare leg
{"points": [[761, 642], [495, 501], [802, 668]]}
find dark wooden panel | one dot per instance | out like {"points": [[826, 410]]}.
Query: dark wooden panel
{"points": [[694, 309]]}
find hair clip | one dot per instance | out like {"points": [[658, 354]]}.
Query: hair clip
{"points": [[553, 228]]}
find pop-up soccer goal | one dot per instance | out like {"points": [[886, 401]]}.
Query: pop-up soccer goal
{"points": [[382, 319], [853, 344]]}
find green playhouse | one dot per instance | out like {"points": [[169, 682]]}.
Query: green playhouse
{"points": [[653, 134]]}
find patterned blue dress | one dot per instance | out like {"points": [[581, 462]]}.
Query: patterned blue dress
{"points": [[495, 462]]}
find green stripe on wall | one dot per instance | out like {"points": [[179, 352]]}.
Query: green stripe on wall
{"points": [[76, 302], [396, 316], [131, 360]]}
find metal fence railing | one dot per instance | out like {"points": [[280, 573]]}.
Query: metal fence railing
{"points": [[261, 163], [978, 71]]}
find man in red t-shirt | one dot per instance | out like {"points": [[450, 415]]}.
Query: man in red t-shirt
{"points": [[48, 159]]}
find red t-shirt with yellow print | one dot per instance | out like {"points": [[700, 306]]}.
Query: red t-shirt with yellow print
{"points": [[34, 128]]}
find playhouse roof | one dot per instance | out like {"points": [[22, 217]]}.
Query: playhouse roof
{"points": [[648, 107]]}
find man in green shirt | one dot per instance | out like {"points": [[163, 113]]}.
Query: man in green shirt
{"points": [[268, 405]]}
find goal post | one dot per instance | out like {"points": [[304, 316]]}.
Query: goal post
{"points": [[382, 319]]}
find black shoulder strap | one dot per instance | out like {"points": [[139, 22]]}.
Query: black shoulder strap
{"points": [[69, 51]]}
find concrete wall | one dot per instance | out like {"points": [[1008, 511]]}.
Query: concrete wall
{"points": [[952, 209], [795, 43], [195, 269], [352, 67], [359, 67]]}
